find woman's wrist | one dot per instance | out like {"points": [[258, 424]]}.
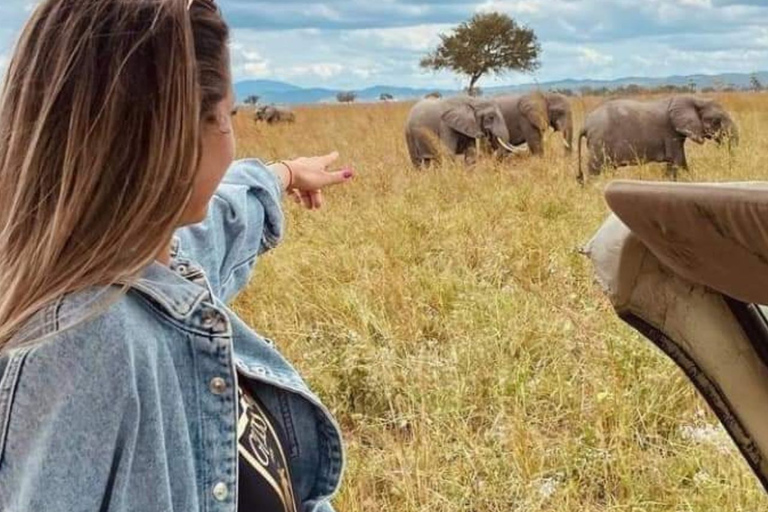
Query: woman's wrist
{"points": [[284, 171]]}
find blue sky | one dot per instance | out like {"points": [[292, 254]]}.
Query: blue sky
{"points": [[353, 44]]}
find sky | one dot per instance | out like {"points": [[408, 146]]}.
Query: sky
{"points": [[355, 44]]}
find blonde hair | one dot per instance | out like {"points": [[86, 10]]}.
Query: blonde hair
{"points": [[100, 121]]}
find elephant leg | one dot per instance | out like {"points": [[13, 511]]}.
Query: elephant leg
{"points": [[671, 171], [595, 165], [675, 149], [421, 149], [597, 159], [423, 163], [470, 155], [462, 145]]}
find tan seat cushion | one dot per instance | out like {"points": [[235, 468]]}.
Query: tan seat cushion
{"points": [[715, 235]]}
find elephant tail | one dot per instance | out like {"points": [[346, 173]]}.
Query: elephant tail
{"points": [[582, 135]]}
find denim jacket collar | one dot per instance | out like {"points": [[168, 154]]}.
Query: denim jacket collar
{"points": [[178, 288]]}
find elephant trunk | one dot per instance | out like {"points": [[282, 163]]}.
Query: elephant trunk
{"points": [[564, 125], [733, 135], [728, 133], [498, 135], [568, 134], [501, 131]]}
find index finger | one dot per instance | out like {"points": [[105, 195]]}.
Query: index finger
{"points": [[329, 158], [337, 177]]}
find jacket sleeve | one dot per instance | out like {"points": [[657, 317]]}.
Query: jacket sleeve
{"points": [[70, 428], [245, 219]]}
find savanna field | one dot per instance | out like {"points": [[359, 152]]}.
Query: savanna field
{"points": [[450, 323]]}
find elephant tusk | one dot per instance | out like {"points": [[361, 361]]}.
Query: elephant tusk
{"points": [[567, 144], [511, 149]]}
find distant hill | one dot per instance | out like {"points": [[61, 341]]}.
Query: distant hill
{"points": [[278, 92], [271, 91]]}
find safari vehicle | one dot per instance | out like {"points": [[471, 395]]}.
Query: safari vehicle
{"points": [[686, 265]]}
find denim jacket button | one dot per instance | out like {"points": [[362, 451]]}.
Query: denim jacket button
{"points": [[220, 326], [220, 491], [218, 386]]}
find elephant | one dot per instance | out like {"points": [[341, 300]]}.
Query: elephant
{"points": [[623, 132], [272, 114], [458, 123], [529, 116]]}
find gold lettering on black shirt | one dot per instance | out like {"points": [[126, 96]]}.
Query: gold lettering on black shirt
{"points": [[260, 446]]}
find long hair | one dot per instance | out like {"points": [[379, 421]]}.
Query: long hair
{"points": [[100, 126]]}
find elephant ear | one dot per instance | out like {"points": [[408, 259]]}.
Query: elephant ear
{"points": [[462, 119], [686, 119], [534, 108]]}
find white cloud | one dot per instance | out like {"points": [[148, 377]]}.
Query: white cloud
{"points": [[247, 62], [415, 38], [323, 11], [695, 3], [512, 6], [592, 56], [322, 70], [338, 43]]}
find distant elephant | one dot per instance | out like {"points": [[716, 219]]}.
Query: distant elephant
{"points": [[457, 122], [272, 114], [529, 116], [625, 132]]}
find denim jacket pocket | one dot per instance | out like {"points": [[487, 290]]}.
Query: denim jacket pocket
{"points": [[10, 370]]}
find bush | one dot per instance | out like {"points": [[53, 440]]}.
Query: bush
{"points": [[346, 97]]}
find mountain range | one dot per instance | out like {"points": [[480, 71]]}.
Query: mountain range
{"points": [[271, 91]]}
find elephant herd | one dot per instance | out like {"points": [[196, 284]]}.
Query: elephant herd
{"points": [[272, 114], [618, 133]]}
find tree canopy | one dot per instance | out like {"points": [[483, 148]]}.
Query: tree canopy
{"points": [[346, 96], [487, 43]]}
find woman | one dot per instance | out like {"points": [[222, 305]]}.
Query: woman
{"points": [[127, 384]]}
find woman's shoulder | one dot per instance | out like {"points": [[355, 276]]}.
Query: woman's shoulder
{"points": [[88, 335]]}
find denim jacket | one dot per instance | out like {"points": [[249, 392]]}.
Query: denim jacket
{"points": [[134, 410]]}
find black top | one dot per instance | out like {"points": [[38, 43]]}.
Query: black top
{"points": [[264, 479]]}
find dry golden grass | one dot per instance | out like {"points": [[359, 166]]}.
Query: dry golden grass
{"points": [[448, 320]]}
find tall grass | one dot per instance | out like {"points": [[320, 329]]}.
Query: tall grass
{"points": [[449, 322]]}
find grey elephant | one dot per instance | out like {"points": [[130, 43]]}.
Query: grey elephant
{"points": [[272, 114], [456, 122], [529, 116], [625, 132]]}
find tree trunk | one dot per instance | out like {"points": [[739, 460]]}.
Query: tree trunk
{"points": [[472, 81]]}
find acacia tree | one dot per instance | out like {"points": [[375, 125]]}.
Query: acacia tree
{"points": [[346, 96], [487, 43]]}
